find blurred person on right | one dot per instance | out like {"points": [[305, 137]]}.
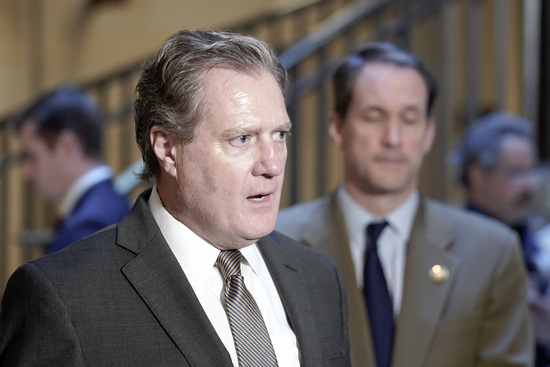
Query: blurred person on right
{"points": [[497, 164], [428, 285]]}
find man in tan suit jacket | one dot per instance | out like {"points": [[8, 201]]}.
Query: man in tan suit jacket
{"points": [[456, 280]]}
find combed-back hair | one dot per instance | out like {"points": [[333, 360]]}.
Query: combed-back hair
{"points": [[169, 92]]}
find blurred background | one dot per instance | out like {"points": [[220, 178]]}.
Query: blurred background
{"points": [[486, 54]]}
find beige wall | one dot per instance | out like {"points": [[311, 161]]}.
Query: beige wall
{"points": [[45, 42]]}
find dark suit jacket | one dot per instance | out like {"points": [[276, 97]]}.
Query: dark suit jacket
{"points": [[99, 207], [120, 298], [477, 317]]}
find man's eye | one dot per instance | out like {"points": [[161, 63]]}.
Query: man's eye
{"points": [[281, 135], [410, 120], [373, 117], [240, 140], [411, 117]]}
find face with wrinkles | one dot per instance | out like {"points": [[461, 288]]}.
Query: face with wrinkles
{"points": [[229, 178], [386, 132]]}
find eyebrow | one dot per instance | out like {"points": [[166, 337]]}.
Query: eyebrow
{"points": [[377, 107], [247, 130], [413, 108], [285, 126]]}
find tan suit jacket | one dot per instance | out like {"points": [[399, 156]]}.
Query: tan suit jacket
{"points": [[477, 317]]}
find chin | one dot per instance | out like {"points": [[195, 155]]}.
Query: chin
{"points": [[386, 189], [264, 233], [260, 232]]}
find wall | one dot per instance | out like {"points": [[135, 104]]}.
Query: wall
{"points": [[45, 42]]}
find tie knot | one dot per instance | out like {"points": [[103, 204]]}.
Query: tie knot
{"points": [[374, 230], [229, 263]]}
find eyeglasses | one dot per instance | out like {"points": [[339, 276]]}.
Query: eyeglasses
{"points": [[519, 177]]}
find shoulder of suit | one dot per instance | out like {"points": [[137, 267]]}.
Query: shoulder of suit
{"points": [[80, 255], [305, 207], [294, 218], [462, 222], [297, 249], [105, 194]]}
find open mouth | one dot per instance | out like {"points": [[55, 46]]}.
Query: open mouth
{"points": [[257, 197]]}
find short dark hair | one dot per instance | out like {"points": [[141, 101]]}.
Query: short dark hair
{"points": [[169, 92], [482, 140], [65, 108], [377, 52]]}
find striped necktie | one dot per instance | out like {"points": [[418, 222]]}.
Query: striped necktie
{"points": [[250, 334]]}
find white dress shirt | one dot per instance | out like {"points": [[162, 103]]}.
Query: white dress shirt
{"points": [[392, 243], [81, 185], [198, 258]]}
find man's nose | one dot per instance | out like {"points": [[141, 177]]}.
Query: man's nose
{"points": [[270, 161], [392, 134]]}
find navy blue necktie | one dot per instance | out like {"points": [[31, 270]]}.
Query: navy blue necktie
{"points": [[377, 298]]}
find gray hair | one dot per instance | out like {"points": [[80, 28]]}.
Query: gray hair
{"points": [[482, 141], [169, 91]]}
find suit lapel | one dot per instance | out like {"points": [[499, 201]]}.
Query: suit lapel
{"points": [[158, 278], [327, 233], [423, 299], [286, 274]]}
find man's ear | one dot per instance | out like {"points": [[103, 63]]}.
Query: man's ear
{"points": [[430, 135], [67, 144], [475, 175], [164, 146], [335, 130]]}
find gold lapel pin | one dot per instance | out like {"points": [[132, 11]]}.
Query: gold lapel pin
{"points": [[439, 273]]}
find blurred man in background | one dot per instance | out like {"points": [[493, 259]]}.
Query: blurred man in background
{"points": [[61, 136], [498, 167]]}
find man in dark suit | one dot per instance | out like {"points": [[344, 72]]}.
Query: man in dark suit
{"points": [[194, 275], [61, 136], [453, 283]]}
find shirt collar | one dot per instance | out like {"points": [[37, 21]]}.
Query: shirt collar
{"points": [[194, 254], [401, 218], [81, 185], [356, 217]]}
